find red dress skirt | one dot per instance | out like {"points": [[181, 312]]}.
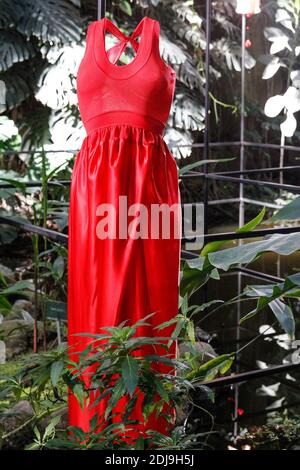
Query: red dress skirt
{"points": [[123, 159]]}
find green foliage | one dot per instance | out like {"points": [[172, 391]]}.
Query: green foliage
{"points": [[290, 211], [251, 225], [280, 244], [35, 51], [272, 295], [115, 367], [191, 166], [118, 371], [20, 288], [208, 371], [125, 7], [282, 434], [284, 54], [40, 441], [197, 272]]}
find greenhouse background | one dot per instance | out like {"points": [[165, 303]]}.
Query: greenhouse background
{"points": [[233, 130]]}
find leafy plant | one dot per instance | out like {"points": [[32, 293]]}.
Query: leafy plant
{"points": [[284, 53], [197, 272], [119, 370]]}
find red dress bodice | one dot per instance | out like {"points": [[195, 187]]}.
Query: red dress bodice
{"points": [[139, 93]]}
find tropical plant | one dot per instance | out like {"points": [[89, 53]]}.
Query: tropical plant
{"points": [[284, 52], [52, 47], [118, 371]]}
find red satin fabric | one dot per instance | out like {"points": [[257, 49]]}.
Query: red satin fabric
{"points": [[124, 110]]}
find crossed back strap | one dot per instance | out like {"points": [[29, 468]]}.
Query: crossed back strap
{"points": [[115, 52]]}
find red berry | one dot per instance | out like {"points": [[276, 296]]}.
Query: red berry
{"points": [[248, 43]]}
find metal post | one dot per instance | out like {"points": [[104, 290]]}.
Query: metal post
{"points": [[58, 332], [242, 124], [241, 215], [207, 106], [207, 126], [101, 9]]}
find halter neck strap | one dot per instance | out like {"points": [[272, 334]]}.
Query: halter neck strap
{"points": [[115, 52]]}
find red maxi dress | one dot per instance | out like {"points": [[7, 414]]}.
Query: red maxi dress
{"points": [[124, 109]]}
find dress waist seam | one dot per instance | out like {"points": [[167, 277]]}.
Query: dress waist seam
{"points": [[129, 118]]}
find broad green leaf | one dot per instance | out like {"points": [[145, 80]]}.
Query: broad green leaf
{"points": [[161, 390], [18, 184], [2, 279], [78, 433], [56, 370], [215, 274], [37, 433], [193, 279], [280, 244], [271, 68], [251, 225], [59, 444], [129, 407], [290, 211], [286, 18], [59, 267], [17, 287], [292, 100], [94, 421], [274, 106], [196, 263], [210, 369], [184, 306], [272, 296], [5, 305], [130, 371], [125, 6], [199, 308], [191, 166], [118, 392], [50, 429], [289, 125], [55, 170], [190, 329], [213, 246], [285, 316], [140, 443], [179, 327], [288, 287], [206, 393], [166, 323], [79, 394]]}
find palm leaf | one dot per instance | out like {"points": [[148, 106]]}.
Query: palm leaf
{"points": [[13, 49], [189, 113], [55, 21]]}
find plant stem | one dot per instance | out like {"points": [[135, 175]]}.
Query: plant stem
{"points": [[35, 417]]}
